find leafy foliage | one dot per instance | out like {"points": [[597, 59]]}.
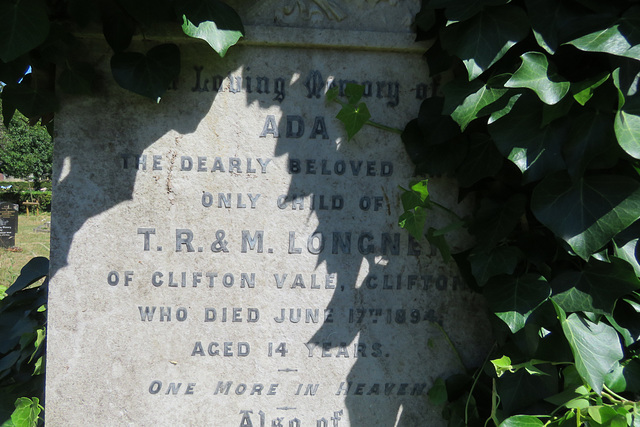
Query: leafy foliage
{"points": [[25, 151], [539, 119], [22, 331], [38, 36]]}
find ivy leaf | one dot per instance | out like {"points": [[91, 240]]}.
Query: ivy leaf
{"points": [[535, 150], [496, 261], [590, 138], [438, 392], [481, 41], [23, 26], [535, 74], [621, 39], [583, 91], [353, 117], [521, 421], [595, 347], [212, 21], [596, 288], [149, 75], [588, 213], [354, 93], [34, 270], [30, 101], [27, 411], [627, 127], [413, 221], [495, 221], [469, 98], [626, 246], [513, 299], [482, 160]]}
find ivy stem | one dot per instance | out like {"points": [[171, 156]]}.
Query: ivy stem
{"points": [[475, 382], [453, 347], [613, 396], [372, 123]]}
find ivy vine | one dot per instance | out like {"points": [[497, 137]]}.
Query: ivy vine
{"points": [[538, 118]]}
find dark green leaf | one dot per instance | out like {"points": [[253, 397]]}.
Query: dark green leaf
{"points": [[622, 39], [519, 390], [413, 221], [535, 74], [30, 101], [513, 299], [481, 41], [354, 93], [212, 21], [595, 346], [34, 270], [118, 30], [149, 11], [627, 126], [438, 392], [353, 117], [23, 26], [535, 150], [547, 18], [583, 91], [596, 288], [149, 75], [482, 160], [588, 213], [626, 246], [439, 241], [465, 100], [494, 262], [495, 221], [590, 138], [438, 60]]}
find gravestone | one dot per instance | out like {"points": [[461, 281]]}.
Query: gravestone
{"points": [[8, 224], [228, 258]]}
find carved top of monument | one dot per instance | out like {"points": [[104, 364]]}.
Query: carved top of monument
{"points": [[364, 15]]}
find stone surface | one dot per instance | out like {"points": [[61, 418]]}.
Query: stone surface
{"points": [[8, 224], [228, 258]]}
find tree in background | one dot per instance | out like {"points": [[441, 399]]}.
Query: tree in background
{"points": [[25, 151]]}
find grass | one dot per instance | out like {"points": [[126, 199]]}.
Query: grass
{"points": [[32, 244]]}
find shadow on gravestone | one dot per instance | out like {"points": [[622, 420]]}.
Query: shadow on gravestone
{"points": [[140, 122], [374, 246]]}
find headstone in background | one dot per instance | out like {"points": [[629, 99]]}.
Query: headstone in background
{"points": [[228, 258], [8, 224]]}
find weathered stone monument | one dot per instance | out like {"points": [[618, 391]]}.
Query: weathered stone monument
{"points": [[228, 258], [8, 224]]}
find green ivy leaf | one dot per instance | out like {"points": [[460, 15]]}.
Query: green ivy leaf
{"points": [[535, 74], [588, 213], [513, 299], [626, 246], [438, 392], [30, 101], [596, 288], [627, 127], [494, 262], [595, 347], [212, 21], [482, 160], [26, 413], [354, 93], [147, 74], [583, 91], [521, 421], [590, 138], [468, 99], [413, 221], [620, 39], [353, 117], [23, 26], [495, 221], [34, 270], [535, 150], [481, 41]]}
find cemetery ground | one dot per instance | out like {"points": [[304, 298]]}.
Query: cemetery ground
{"points": [[32, 240]]}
